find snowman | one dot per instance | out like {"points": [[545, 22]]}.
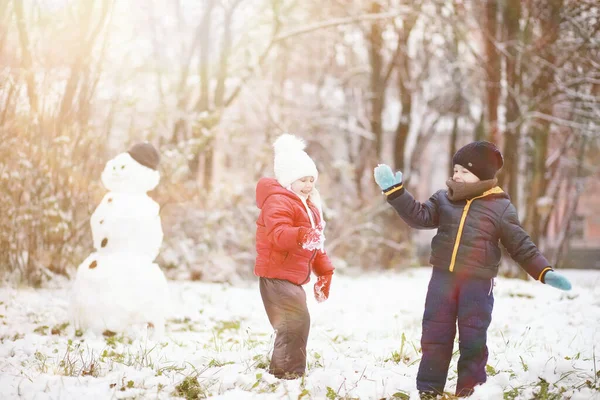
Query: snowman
{"points": [[119, 286]]}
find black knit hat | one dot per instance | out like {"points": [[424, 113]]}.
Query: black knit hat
{"points": [[145, 154], [482, 158]]}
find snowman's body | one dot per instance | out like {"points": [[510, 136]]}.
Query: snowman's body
{"points": [[127, 222], [119, 286]]}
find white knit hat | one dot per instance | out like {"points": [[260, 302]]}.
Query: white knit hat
{"points": [[291, 161]]}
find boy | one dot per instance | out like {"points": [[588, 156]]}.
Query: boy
{"points": [[472, 217]]}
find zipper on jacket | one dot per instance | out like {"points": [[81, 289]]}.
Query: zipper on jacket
{"points": [[309, 271], [462, 223]]}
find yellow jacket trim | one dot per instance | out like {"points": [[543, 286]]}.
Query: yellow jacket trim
{"points": [[542, 273], [394, 190], [494, 190]]}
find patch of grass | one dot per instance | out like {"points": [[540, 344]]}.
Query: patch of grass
{"points": [[41, 330], [251, 343], [521, 295], [340, 339], [42, 359], [260, 386], [316, 363], [77, 362], [397, 357], [169, 368], [544, 392], [523, 364], [190, 389], [113, 355], [223, 326], [112, 340], [576, 357], [400, 355], [261, 361], [215, 363], [331, 394], [491, 371], [124, 385], [58, 329], [511, 394], [179, 320], [183, 324]]}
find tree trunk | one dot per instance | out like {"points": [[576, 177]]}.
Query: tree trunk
{"points": [[209, 155], [224, 60], [453, 144], [27, 61], [572, 210], [84, 50], [403, 128], [508, 177], [205, 30], [479, 132], [541, 128], [377, 95], [492, 68]]}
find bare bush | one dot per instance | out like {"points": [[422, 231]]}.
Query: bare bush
{"points": [[45, 193]]}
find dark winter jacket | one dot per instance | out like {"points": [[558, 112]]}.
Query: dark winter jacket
{"points": [[279, 255], [469, 232]]}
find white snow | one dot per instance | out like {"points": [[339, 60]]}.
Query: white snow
{"points": [[364, 343]]}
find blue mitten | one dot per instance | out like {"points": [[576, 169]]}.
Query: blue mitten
{"points": [[385, 177], [557, 280]]}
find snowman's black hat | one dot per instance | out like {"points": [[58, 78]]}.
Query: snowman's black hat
{"points": [[145, 154]]}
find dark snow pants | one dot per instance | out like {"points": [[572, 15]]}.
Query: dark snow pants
{"points": [[286, 308], [451, 298]]}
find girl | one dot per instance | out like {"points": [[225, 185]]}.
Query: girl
{"points": [[289, 245]]}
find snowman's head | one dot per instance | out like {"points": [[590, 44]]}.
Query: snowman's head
{"points": [[124, 174]]}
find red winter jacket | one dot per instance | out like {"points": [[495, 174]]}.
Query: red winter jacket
{"points": [[279, 255]]}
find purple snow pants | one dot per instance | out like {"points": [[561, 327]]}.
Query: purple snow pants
{"points": [[451, 299]]}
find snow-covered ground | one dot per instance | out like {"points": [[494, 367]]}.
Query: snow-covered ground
{"points": [[364, 343]]}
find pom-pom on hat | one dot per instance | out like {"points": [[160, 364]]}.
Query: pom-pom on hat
{"points": [[482, 158], [291, 161], [145, 154]]}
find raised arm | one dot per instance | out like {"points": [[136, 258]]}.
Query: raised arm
{"points": [[415, 214]]}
